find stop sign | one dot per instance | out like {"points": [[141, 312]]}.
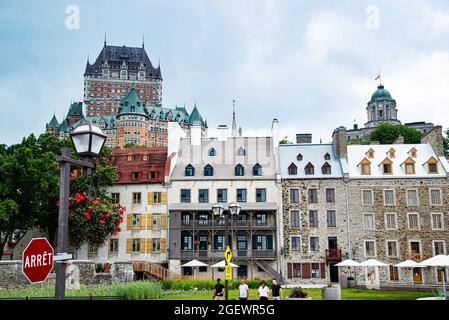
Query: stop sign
{"points": [[37, 260]]}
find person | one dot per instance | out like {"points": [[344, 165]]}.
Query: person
{"points": [[263, 291], [219, 290], [243, 290], [276, 290]]}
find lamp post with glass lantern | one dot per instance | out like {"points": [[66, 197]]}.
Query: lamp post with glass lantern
{"points": [[234, 211], [88, 141]]}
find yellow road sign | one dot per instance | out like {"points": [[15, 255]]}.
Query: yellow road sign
{"points": [[228, 271], [228, 254]]}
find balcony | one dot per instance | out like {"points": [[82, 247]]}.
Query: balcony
{"points": [[333, 255], [221, 224], [219, 255], [417, 257]]}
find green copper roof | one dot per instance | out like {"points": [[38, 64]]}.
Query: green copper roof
{"points": [[381, 94], [195, 117], [53, 122], [76, 109], [132, 104]]}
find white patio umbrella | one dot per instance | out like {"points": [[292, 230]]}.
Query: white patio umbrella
{"points": [[373, 263], [348, 263], [222, 264], [195, 264], [408, 264], [441, 261]]}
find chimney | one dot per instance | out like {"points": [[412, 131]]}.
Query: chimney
{"points": [[399, 140], [435, 138], [356, 126], [339, 142], [195, 135], [303, 138], [222, 132], [275, 131]]}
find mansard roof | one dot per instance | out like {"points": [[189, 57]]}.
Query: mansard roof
{"points": [[132, 104]]}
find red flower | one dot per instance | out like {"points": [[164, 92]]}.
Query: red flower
{"points": [[121, 220], [121, 211], [119, 229], [87, 215], [78, 198], [57, 203], [84, 193], [107, 215], [101, 221], [101, 215]]}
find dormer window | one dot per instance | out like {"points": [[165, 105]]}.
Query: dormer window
{"points": [[241, 151], [211, 152], [239, 170], [327, 156], [144, 157], [387, 166], [189, 171], [130, 158], [365, 167], [409, 166], [413, 152], [326, 168], [391, 153], [292, 169], [370, 153], [432, 166], [136, 175], [257, 170], [208, 171], [309, 169], [299, 157]]}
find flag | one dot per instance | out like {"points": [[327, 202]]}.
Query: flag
{"points": [[378, 77]]}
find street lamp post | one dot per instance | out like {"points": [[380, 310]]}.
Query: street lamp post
{"points": [[234, 211], [88, 141]]}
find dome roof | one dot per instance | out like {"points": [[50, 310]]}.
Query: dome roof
{"points": [[381, 94]]}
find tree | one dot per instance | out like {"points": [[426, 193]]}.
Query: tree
{"points": [[388, 133], [283, 141], [446, 143]]}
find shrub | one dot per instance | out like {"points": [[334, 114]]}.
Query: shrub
{"points": [[138, 290], [298, 293]]}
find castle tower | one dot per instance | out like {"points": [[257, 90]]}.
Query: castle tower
{"points": [[381, 109]]}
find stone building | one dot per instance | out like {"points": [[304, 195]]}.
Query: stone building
{"points": [[225, 169], [141, 189], [314, 212]]}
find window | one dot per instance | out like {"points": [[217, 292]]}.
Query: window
{"points": [[136, 221], [412, 197], [394, 273], [437, 221], [438, 247], [296, 243], [115, 196], [113, 246], [432, 165], [222, 195], [157, 197], [156, 221], [433, 168], [144, 157], [330, 195], [365, 167], [327, 156], [367, 197], [370, 153], [208, 171], [292, 169], [156, 245], [261, 195], [190, 171], [299, 157], [202, 269], [187, 243], [309, 169], [257, 170], [211, 152], [435, 197], [389, 199], [135, 245], [391, 153], [313, 219], [241, 151], [153, 174], [413, 221], [314, 244], [331, 219], [409, 166], [203, 195], [368, 221], [92, 250], [390, 221], [219, 243], [295, 219], [326, 168], [137, 198], [130, 158], [370, 248], [241, 195], [239, 170], [242, 244], [387, 168], [185, 195], [313, 196], [392, 248], [413, 152], [294, 195], [261, 219], [315, 269]]}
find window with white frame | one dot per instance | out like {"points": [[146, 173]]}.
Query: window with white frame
{"points": [[412, 197], [413, 221], [389, 198], [294, 195], [296, 243], [370, 248], [368, 221], [367, 197], [438, 247], [437, 221], [390, 221], [295, 219], [392, 248], [435, 197], [314, 244]]}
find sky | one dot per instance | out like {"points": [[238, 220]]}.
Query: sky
{"points": [[310, 64]]}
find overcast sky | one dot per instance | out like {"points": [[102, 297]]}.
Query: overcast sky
{"points": [[310, 65]]}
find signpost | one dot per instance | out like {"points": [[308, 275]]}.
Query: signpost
{"points": [[228, 255], [37, 260], [228, 268]]}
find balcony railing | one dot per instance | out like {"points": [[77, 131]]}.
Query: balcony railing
{"points": [[333, 254], [221, 224], [417, 257], [219, 254]]}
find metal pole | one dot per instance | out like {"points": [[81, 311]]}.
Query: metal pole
{"points": [[62, 224], [227, 244]]}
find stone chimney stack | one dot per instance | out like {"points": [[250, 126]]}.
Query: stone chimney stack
{"points": [[399, 140], [195, 135], [339, 142], [435, 138], [222, 132]]}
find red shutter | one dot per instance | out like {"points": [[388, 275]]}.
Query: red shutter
{"points": [[289, 270], [323, 270], [305, 268]]}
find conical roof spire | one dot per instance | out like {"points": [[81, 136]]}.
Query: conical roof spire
{"points": [[234, 124]]}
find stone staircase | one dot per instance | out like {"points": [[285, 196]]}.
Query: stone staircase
{"points": [[271, 271]]}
